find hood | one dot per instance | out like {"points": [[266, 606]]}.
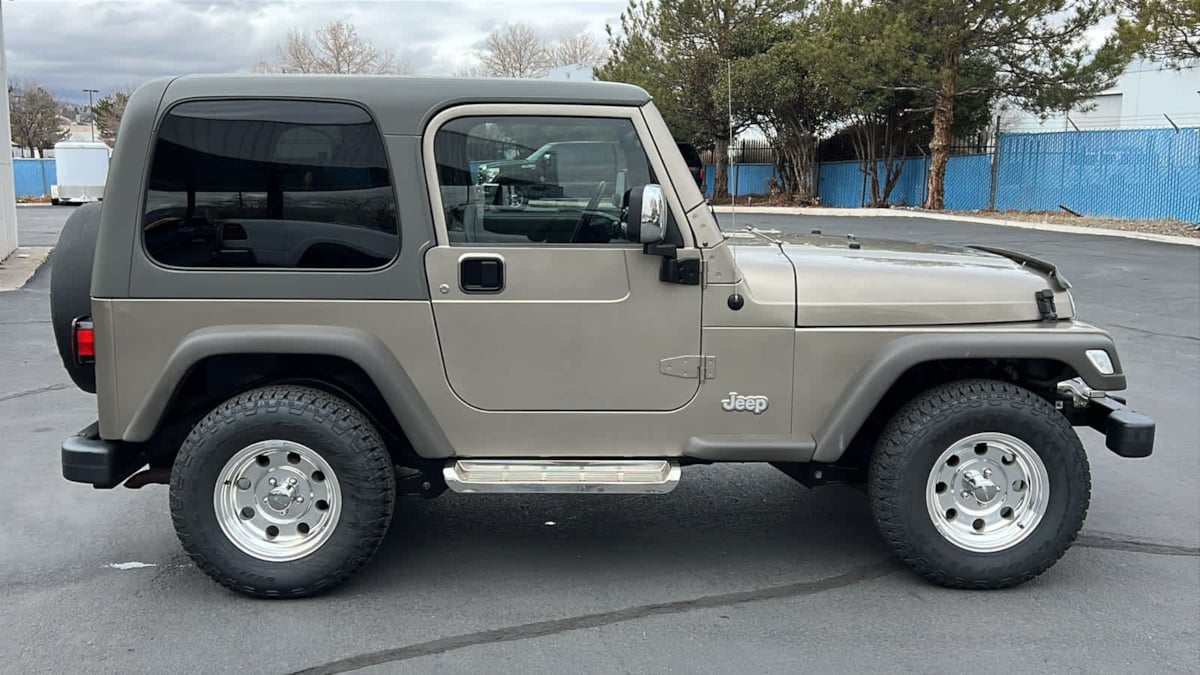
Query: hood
{"points": [[898, 283]]}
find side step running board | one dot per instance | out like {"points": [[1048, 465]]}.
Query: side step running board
{"points": [[541, 475]]}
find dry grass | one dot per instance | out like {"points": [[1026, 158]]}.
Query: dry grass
{"points": [[762, 200], [1167, 226], [1153, 226]]}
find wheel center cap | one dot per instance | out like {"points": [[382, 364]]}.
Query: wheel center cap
{"points": [[981, 487], [280, 498]]}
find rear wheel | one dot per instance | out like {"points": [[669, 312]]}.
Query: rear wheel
{"points": [[282, 492], [979, 484]]}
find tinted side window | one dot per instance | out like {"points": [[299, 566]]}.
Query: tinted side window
{"points": [[270, 184], [545, 180]]}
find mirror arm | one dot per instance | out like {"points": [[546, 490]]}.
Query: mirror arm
{"points": [[673, 270], [661, 248]]}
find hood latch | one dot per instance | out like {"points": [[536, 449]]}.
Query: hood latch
{"points": [[1045, 304]]}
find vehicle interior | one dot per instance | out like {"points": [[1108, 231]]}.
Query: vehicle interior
{"points": [[565, 194], [235, 192]]}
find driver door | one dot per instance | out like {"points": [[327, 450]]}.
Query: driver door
{"points": [[539, 304]]}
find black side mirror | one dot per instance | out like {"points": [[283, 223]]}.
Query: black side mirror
{"points": [[646, 218]]}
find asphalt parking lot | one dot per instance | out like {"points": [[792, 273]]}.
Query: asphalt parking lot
{"points": [[740, 569]]}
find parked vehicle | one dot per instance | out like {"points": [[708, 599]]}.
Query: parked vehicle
{"points": [[558, 169], [296, 304], [81, 168]]}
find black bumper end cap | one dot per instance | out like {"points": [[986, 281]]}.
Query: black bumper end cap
{"points": [[1129, 433], [87, 458]]}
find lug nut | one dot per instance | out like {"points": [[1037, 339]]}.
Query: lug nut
{"points": [[987, 473], [272, 481], [299, 499], [291, 481], [966, 494]]}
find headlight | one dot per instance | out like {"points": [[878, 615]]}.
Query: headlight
{"points": [[1101, 360]]}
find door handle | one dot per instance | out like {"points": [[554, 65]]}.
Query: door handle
{"points": [[481, 274]]}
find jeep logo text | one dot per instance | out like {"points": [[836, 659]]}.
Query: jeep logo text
{"points": [[755, 404]]}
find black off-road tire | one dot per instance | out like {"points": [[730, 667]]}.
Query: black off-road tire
{"points": [[930, 424], [343, 437]]}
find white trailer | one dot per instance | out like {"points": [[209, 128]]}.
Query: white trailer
{"points": [[82, 168]]}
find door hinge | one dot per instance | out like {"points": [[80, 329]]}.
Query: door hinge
{"points": [[703, 367]]}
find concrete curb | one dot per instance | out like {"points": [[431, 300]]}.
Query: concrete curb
{"points": [[905, 213], [19, 267]]}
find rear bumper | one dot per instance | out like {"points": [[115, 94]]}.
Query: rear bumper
{"points": [[87, 458], [1127, 432]]}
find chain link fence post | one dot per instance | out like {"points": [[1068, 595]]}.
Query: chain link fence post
{"points": [[995, 166]]}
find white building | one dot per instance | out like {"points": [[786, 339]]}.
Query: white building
{"points": [[571, 72], [1146, 95]]}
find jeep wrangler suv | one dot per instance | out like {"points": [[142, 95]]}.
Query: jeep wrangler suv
{"points": [[296, 303]]}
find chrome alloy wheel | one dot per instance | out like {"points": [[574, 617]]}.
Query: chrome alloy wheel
{"points": [[987, 492], [277, 500]]}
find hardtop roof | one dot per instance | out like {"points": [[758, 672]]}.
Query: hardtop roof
{"points": [[401, 104]]}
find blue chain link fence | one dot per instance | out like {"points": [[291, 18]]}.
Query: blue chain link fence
{"points": [[1132, 173], [1128, 173], [33, 177]]}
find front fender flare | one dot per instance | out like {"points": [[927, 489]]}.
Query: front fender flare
{"points": [[866, 390]]}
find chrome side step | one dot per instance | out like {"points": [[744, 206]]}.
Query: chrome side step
{"points": [[633, 476]]}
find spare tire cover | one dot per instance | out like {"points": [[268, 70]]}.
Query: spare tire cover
{"points": [[71, 286]]}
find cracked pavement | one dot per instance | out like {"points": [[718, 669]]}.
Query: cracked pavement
{"points": [[739, 569]]}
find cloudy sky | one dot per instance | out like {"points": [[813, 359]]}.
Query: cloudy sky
{"points": [[69, 46]]}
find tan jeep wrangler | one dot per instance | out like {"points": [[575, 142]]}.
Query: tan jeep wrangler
{"points": [[304, 296]]}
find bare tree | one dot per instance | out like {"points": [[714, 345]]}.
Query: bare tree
{"points": [[472, 70], [582, 49], [516, 51], [35, 119], [334, 48]]}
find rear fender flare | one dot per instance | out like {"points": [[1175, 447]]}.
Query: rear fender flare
{"points": [[362, 348]]}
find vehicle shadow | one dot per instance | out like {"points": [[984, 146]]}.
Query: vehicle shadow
{"points": [[742, 520]]}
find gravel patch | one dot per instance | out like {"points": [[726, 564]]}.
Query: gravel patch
{"points": [[1176, 228]]}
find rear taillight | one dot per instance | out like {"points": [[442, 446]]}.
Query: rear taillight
{"points": [[83, 341]]}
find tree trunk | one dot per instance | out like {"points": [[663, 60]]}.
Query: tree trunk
{"points": [[892, 168], [804, 167], [798, 167], [720, 169], [943, 117], [871, 164]]}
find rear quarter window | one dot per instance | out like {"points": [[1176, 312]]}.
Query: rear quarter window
{"points": [[270, 184]]}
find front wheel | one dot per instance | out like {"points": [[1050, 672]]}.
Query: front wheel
{"points": [[979, 484], [282, 492]]}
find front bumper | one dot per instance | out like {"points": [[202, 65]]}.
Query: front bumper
{"points": [[1127, 432], [87, 458]]}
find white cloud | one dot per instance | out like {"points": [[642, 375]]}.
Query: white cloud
{"points": [[69, 45]]}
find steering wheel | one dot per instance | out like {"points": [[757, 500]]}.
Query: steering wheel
{"points": [[586, 216]]}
